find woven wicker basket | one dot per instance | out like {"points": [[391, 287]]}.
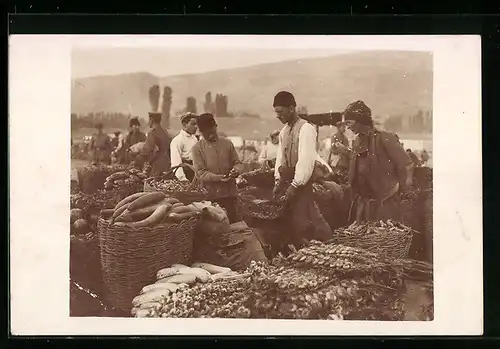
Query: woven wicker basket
{"points": [[192, 194], [391, 245], [254, 203], [131, 257]]}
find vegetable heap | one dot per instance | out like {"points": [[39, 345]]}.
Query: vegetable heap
{"points": [[123, 179], [320, 281], [92, 177], [202, 290], [390, 238], [171, 185], [146, 209]]}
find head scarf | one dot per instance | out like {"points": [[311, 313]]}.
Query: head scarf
{"points": [[284, 99], [206, 121], [275, 133], [358, 111]]}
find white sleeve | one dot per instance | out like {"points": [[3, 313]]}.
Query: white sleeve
{"points": [[176, 158], [279, 156], [307, 155]]}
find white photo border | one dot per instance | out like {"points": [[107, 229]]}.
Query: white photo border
{"points": [[39, 136]]}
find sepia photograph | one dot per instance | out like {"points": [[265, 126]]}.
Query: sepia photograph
{"points": [[265, 181], [271, 183]]}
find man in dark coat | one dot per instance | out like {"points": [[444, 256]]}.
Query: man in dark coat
{"points": [[380, 170], [100, 146], [156, 150]]}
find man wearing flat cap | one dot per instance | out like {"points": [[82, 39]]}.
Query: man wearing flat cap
{"points": [[380, 170], [156, 149], [100, 146], [296, 161], [217, 166], [181, 146]]}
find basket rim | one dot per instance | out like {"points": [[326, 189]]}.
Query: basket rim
{"points": [[162, 225]]}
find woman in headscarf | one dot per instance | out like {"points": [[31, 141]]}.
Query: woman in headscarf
{"points": [[380, 170]]}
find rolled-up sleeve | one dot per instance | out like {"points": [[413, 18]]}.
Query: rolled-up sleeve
{"points": [[200, 167], [279, 156], [307, 155], [176, 157]]}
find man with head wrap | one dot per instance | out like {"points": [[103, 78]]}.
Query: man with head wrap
{"points": [[296, 162], [379, 171], [217, 166], [180, 148], [135, 136], [156, 149]]}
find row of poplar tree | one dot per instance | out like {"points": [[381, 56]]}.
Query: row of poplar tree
{"points": [[218, 107]]}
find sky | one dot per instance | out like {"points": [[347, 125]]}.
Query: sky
{"points": [[86, 63]]}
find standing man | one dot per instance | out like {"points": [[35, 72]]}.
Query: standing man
{"points": [[134, 137], [269, 150], [156, 150], [296, 161], [413, 157], [100, 146], [340, 147], [217, 165], [180, 149], [380, 170]]}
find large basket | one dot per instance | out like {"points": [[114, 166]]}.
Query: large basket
{"points": [[392, 243], [130, 257], [262, 178], [186, 193], [254, 203]]}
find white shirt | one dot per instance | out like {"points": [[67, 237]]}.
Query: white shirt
{"points": [[269, 151], [308, 155], [180, 149]]}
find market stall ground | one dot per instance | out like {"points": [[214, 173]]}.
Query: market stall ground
{"points": [[415, 299]]}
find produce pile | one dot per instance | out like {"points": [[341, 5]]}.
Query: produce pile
{"points": [[146, 209], [390, 238], [86, 208], [92, 178], [202, 290], [168, 185], [258, 203], [130, 178], [328, 281], [320, 281]]}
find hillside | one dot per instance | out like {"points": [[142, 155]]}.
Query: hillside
{"points": [[390, 82]]}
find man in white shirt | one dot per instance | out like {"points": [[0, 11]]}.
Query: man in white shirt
{"points": [[180, 148], [269, 150], [296, 161]]}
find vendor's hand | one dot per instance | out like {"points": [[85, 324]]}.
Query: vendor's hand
{"points": [[225, 179], [233, 173]]}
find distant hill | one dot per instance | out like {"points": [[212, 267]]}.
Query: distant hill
{"points": [[389, 82]]}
